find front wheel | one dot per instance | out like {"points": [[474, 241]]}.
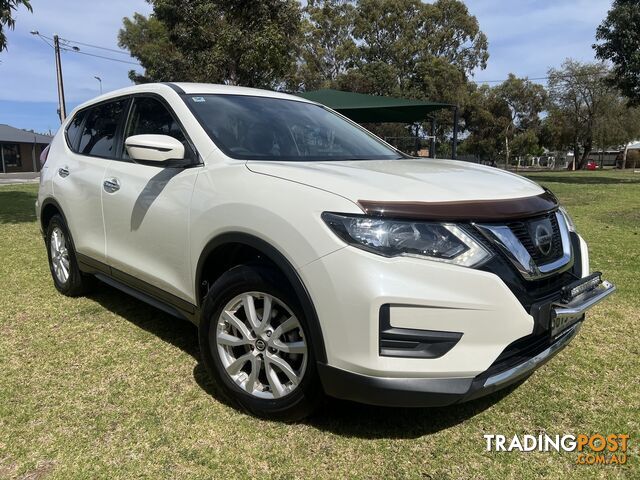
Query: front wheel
{"points": [[255, 344]]}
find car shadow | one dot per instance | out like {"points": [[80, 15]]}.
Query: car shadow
{"points": [[351, 419], [149, 193], [340, 417]]}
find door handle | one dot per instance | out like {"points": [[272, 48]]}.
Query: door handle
{"points": [[111, 185], [63, 171]]}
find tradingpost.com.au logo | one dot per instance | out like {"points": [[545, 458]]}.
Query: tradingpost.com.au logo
{"points": [[593, 449]]}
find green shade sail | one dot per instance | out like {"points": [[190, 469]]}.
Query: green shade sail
{"points": [[374, 109]]}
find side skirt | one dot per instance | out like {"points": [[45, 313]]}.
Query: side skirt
{"points": [[139, 289]]}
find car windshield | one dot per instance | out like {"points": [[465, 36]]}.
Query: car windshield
{"points": [[263, 128]]}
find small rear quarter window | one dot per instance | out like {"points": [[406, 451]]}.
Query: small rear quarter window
{"points": [[73, 129]]}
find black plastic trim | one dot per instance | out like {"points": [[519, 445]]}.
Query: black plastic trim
{"points": [[54, 202], [410, 342], [174, 87], [141, 296], [149, 147], [390, 391], [140, 289], [285, 266]]}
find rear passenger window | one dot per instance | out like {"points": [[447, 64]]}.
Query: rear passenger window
{"points": [[74, 129], [150, 117], [98, 134]]}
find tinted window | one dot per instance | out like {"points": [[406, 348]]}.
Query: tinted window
{"points": [[261, 128], [150, 117], [98, 134], [73, 129]]}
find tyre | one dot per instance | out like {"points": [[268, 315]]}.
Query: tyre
{"points": [[255, 343], [67, 277]]}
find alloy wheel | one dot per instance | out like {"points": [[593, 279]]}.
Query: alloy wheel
{"points": [[59, 255], [261, 345]]}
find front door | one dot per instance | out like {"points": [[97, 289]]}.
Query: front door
{"points": [[146, 209]]}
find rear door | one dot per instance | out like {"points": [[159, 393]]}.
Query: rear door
{"points": [[77, 183], [147, 215]]}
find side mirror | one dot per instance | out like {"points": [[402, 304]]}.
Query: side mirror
{"points": [[154, 149]]}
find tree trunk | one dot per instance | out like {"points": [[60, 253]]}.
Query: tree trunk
{"points": [[624, 156], [588, 146], [506, 145], [576, 154]]}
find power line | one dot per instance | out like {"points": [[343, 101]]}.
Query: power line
{"points": [[116, 50], [98, 56], [45, 41], [70, 48]]}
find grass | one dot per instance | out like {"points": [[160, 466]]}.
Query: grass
{"points": [[107, 387]]}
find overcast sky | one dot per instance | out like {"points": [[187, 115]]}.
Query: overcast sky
{"points": [[526, 37]]}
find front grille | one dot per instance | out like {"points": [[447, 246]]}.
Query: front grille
{"points": [[522, 229], [531, 291]]}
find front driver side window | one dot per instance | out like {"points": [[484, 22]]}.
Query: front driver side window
{"points": [[100, 128], [150, 117]]}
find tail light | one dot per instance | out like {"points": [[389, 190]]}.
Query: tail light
{"points": [[44, 155]]}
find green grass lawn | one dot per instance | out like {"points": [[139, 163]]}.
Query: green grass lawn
{"points": [[107, 387]]}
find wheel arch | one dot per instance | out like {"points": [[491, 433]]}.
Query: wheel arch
{"points": [[48, 209], [221, 245]]}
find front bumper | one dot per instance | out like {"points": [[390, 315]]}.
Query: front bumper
{"points": [[432, 392], [507, 370]]}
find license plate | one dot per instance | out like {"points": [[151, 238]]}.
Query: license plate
{"points": [[559, 325]]}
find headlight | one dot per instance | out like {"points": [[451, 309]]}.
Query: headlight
{"points": [[568, 220], [442, 242]]}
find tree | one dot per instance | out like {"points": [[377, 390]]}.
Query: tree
{"points": [[619, 34], [578, 95], [7, 9], [328, 48], [505, 119], [585, 110], [525, 101], [148, 40], [411, 49], [410, 37], [485, 116], [246, 43], [403, 48], [617, 124]]}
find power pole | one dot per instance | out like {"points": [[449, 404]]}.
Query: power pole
{"points": [[61, 105]]}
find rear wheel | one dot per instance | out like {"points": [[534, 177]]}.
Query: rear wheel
{"points": [[255, 344], [63, 264]]}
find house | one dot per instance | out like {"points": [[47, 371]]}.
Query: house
{"points": [[20, 150]]}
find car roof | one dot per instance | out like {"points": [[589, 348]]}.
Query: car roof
{"points": [[190, 89]]}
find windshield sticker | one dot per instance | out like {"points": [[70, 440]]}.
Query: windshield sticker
{"points": [[198, 99]]}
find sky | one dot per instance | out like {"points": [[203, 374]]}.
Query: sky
{"points": [[526, 37]]}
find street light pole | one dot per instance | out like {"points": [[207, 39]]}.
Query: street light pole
{"points": [[99, 80], [61, 103]]}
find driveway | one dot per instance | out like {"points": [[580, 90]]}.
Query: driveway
{"points": [[22, 177]]}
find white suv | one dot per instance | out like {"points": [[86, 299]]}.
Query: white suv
{"points": [[314, 257]]}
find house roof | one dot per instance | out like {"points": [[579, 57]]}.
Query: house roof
{"points": [[17, 135], [373, 108]]}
